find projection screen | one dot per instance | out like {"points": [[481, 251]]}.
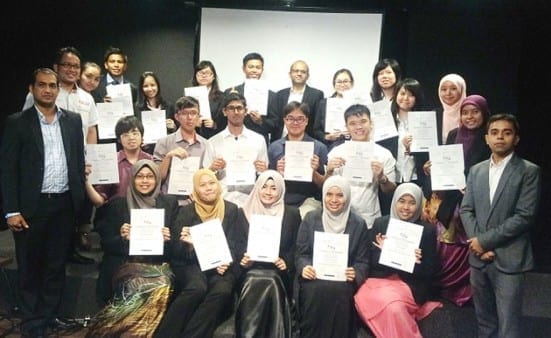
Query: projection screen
{"points": [[326, 41]]}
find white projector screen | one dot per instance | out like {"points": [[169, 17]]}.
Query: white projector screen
{"points": [[326, 41]]}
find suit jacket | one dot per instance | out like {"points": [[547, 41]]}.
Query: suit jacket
{"points": [[270, 123], [311, 96], [22, 157], [503, 226]]}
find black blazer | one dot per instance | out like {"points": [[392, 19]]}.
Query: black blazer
{"points": [[100, 92], [421, 279], [22, 157], [311, 96]]}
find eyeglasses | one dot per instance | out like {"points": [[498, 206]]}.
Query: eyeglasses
{"points": [[204, 73], [343, 82], [192, 113], [234, 108], [69, 65], [298, 119], [148, 177], [134, 134]]}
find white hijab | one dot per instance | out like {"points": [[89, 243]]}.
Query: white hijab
{"points": [[414, 191], [336, 223]]}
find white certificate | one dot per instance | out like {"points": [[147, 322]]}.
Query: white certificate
{"points": [[298, 155], [330, 256], [180, 181], [146, 233], [264, 238], [447, 167], [201, 93], [383, 122], [210, 244], [402, 238], [123, 94], [240, 168], [103, 159], [422, 127], [334, 114], [109, 114], [256, 93], [356, 96], [154, 124], [358, 162]]}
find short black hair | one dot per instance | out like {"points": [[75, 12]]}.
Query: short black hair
{"points": [[186, 102], [356, 110], [126, 124], [66, 50], [294, 105], [504, 117], [42, 71], [252, 56], [114, 50], [234, 97]]}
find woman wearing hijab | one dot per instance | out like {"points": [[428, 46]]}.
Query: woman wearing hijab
{"points": [[452, 90], [442, 209], [137, 288], [326, 307], [263, 308], [203, 298], [391, 300]]}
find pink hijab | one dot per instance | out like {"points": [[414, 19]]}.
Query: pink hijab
{"points": [[451, 114]]}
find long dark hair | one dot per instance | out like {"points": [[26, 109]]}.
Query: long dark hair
{"points": [[142, 97], [215, 91], [376, 90]]}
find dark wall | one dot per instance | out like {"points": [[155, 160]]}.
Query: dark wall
{"points": [[499, 47]]}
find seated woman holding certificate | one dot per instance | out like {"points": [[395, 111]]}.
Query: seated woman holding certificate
{"points": [[136, 286], [263, 308], [391, 300], [332, 260], [203, 292]]}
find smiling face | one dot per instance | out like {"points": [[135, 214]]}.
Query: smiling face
{"points": [[405, 100], [68, 69], [342, 83], [386, 78], [296, 122], [89, 78], [334, 200], [145, 181], [253, 69], [359, 127], [115, 65], [406, 207], [131, 140], [235, 111], [299, 73], [268, 193], [150, 87], [450, 93], [207, 189], [471, 116]]}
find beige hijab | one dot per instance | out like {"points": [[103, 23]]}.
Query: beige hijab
{"points": [[253, 204], [331, 222], [207, 211]]}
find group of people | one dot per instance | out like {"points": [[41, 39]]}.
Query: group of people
{"points": [[474, 245]]}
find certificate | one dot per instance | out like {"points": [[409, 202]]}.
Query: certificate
{"points": [[330, 256], [447, 167], [256, 93], [334, 114], [146, 233], [422, 127], [201, 93], [298, 155], [180, 180], [104, 162], [109, 114], [383, 122], [123, 94], [240, 168], [210, 244], [402, 238], [358, 162], [154, 124], [355, 96], [264, 238]]}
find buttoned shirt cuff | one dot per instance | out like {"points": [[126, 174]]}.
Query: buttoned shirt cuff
{"points": [[11, 214]]}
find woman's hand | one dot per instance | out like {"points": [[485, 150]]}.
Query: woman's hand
{"points": [[221, 269], [166, 234], [308, 272], [280, 264], [246, 261], [350, 274], [426, 167], [125, 231], [418, 255], [379, 240], [185, 235]]}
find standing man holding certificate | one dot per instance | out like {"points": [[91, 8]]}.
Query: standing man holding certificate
{"points": [[391, 299], [42, 180], [380, 172], [326, 307], [499, 208]]}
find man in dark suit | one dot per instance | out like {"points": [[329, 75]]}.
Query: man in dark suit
{"points": [[42, 179], [253, 67], [299, 92], [497, 211], [115, 63]]}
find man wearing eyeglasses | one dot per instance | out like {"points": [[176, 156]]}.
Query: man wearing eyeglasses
{"points": [[304, 195], [299, 92], [71, 96], [183, 143]]}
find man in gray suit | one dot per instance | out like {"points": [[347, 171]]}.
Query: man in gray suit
{"points": [[498, 209]]}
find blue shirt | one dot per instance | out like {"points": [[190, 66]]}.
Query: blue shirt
{"points": [[56, 178]]}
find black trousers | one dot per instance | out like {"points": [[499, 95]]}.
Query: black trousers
{"points": [[41, 253]]}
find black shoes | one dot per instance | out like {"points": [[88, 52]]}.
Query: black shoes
{"points": [[77, 258]]}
